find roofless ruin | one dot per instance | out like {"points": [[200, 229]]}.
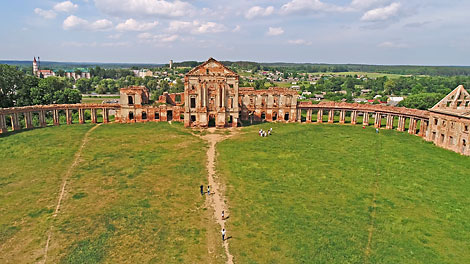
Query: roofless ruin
{"points": [[212, 97]]}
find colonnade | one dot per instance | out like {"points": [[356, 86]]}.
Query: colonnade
{"points": [[43, 111], [377, 115]]}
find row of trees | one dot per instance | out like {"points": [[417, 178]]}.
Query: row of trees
{"points": [[20, 89], [102, 86]]}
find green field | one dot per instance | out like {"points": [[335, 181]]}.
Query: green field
{"points": [[132, 198], [305, 195], [310, 193]]}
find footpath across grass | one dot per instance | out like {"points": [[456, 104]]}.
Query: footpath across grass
{"points": [[305, 195]]}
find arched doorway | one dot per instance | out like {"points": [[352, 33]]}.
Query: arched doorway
{"points": [[131, 115], [169, 115]]}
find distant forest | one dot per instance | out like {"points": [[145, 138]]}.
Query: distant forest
{"points": [[280, 66]]}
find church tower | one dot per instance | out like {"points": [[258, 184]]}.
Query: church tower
{"points": [[35, 67]]}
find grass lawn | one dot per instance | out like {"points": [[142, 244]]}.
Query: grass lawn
{"points": [[305, 195], [133, 198]]}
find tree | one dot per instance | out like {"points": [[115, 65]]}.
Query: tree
{"points": [[10, 80], [84, 85], [421, 101]]}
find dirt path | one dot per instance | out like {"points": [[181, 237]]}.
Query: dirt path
{"points": [[217, 199], [375, 189], [67, 175]]}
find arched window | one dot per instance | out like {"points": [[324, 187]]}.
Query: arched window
{"points": [[144, 115], [130, 100]]}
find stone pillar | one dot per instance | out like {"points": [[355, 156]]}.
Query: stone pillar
{"points": [[3, 124], [401, 123], [422, 128], [320, 116], [15, 124], [28, 120], [378, 120], [309, 116], [42, 118], [68, 116], [55, 117], [93, 116], [342, 116], [389, 121], [354, 117], [81, 116], [331, 116], [412, 127], [365, 119], [106, 115]]}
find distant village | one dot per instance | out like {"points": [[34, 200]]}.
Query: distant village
{"points": [[296, 82]]}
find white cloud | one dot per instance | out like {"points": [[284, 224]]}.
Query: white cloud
{"points": [[275, 31], [258, 11], [196, 27], [382, 13], [102, 24], [303, 6], [362, 4], [66, 7], [300, 42], [133, 25], [237, 29], [392, 45], [157, 38], [115, 36], [74, 22], [145, 7], [47, 14]]}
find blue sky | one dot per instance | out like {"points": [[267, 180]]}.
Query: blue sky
{"points": [[419, 32]]}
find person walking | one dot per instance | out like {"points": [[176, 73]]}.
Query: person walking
{"points": [[223, 217], [377, 130], [208, 190], [202, 189], [223, 234]]}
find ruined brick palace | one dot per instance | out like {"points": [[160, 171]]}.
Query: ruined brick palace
{"points": [[212, 97]]}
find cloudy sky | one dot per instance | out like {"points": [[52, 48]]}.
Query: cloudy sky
{"points": [[424, 32]]}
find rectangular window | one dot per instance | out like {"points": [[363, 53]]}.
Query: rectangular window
{"points": [[193, 102], [157, 115]]}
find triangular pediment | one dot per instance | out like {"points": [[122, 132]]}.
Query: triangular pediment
{"points": [[212, 67], [456, 101]]}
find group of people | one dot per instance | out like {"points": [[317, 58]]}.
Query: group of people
{"points": [[223, 212], [263, 133], [208, 190]]}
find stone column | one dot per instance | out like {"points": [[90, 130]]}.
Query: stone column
{"points": [[3, 124], [378, 120], [354, 117], [28, 120], [68, 116], [342, 116], [401, 123], [365, 119], [42, 118], [55, 117], [15, 124], [298, 117], [331, 116], [320, 116], [309, 116], [389, 121], [93, 116], [422, 128], [412, 127], [106, 115], [81, 116]]}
